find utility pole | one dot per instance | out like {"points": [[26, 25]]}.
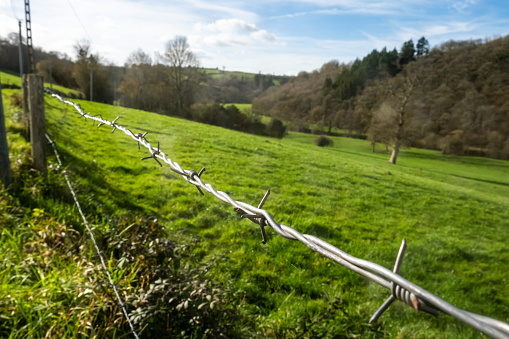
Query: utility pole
{"points": [[29, 69], [114, 91], [31, 66], [91, 85], [50, 73], [20, 51]]}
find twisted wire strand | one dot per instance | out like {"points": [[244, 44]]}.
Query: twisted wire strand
{"points": [[378, 274], [91, 234]]}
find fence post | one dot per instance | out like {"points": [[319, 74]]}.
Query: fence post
{"points": [[5, 165], [26, 109], [37, 121]]}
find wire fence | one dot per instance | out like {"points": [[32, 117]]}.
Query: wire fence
{"points": [[400, 288], [91, 234]]}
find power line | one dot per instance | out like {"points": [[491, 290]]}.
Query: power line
{"points": [[79, 20], [401, 289]]}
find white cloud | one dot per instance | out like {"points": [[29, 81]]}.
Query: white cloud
{"points": [[461, 6], [263, 35], [229, 33], [436, 30], [380, 7], [226, 25]]}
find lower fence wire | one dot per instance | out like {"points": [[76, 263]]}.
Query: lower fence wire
{"points": [[103, 263], [401, 289]]}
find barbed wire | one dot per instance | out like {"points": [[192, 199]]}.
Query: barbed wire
{"points": [[91, 233], [401, 289]]}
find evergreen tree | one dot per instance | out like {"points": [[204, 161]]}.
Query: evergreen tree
{"points": [[407, 53], [422, 47]]}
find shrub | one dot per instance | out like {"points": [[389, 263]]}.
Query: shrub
{"points": [[173, 295], [322, 141], [276, 129], [304, 129], [452, 145], [16, 100]]}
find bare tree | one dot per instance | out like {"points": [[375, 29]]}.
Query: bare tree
{"points": [[88, 67], [401, 89], [182, 70]]}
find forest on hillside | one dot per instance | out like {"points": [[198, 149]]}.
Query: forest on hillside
{"points": [[453, 98]]}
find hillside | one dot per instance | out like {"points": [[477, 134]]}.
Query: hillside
{"points": [[453, 212], [454, 98], [237, 87]]}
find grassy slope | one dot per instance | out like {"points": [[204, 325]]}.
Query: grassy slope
{"points": [[452, 211], [8, 79], [247, 109], [216, 73]]}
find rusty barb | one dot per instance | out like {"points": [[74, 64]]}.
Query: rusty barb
{"points": [[400, 288]]}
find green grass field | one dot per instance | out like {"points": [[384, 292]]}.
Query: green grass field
{"points": [[10, 79], [216, 73], [453, 212]]}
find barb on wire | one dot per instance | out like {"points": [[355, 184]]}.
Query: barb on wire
{"points": [[401, 289], [192, 173], [154, 155], [257, 217], [140, 136], [114, 124], [91, 234]]}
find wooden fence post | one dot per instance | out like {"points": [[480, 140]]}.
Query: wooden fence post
{"points": [[5, 165], [37, 121]]}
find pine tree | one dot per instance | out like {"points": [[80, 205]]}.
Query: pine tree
{"points": [[422, 47]]}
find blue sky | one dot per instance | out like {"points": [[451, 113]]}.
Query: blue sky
{"points": [[280, 37]]}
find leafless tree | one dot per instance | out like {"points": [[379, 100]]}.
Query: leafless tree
{"points": [[182, 70]]}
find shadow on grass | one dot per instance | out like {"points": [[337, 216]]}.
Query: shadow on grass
{"points": [[96, 184], [482, 180]]}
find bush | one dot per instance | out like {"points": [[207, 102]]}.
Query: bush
{"points": [[452, 145], [173, 295], [16, 100], [230, 117], [276, 129], [322, 141], [304, 129]]}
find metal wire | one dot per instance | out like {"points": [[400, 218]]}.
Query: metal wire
{"points": [[401, 289], [103, 263]]}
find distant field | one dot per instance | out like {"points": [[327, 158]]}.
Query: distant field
{"points": [[216, 73], [453, 212], [244, 108]]}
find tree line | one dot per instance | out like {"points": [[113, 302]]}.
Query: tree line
{"points": [[453, 98], [171, 83]]}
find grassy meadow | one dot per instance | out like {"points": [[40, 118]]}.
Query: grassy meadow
{"points": [[14, 79], [217, 73], [453, 212]]}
